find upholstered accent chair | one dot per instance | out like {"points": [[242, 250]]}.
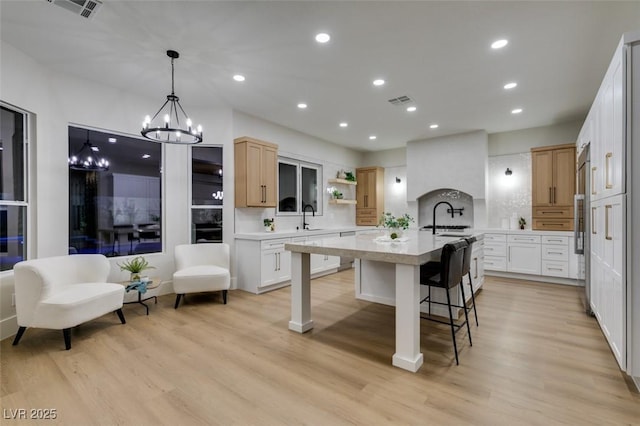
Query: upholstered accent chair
{"points": [[64, 291], [200, 268]]}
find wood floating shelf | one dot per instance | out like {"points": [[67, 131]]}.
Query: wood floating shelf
{"points": [[343, 181], [341, 201]]}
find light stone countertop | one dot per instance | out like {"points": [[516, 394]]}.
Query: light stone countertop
{"points": [[259, 236], [419, 247]]}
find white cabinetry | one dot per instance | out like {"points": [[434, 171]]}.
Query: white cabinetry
{"points": [[495, 252], [322, 262], [523, 254], [275, 262]]}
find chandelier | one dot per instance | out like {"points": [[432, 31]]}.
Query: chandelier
{"points": [[86, 159], [169, 127]]}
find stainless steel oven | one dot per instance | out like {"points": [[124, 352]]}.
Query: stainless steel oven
{"points": [[582, 227]]}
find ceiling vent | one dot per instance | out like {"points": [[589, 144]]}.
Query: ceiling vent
{"points": [[401, 100], [84, 8]]}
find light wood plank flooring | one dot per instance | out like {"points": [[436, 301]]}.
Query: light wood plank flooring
{"points": [[536, 360]]}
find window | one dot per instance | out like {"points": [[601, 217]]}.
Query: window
{"points": [[13, 186], [298, 186], [206, 194], [115, 212]]}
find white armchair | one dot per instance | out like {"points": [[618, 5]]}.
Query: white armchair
{"points": [[61, 292], [201, 267]]}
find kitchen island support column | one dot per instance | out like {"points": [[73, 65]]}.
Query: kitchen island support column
{"points": [[408, 355], [300, 292]]}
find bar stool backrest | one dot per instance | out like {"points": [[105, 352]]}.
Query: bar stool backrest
{"points": [[466, 265], [451, 263]]}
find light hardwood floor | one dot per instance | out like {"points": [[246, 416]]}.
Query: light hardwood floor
{"points": [[537, 359]]}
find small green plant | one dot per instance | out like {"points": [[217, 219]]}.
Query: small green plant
{"points": [[390, 221], [269, 224], [267, 221], [336, 194], [350, 177], [135, 266], [522, 222]]}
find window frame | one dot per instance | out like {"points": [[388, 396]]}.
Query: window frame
{"points": [[299, 164], [193, 207]]}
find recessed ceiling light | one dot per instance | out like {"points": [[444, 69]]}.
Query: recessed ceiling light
{"points": [[499, 44], [302, 105], [95, 148], [510, 85], [372, 137], [411, 109], [145, 156], [378, 82], [433, 126], [343, 124], [113, 140], [238, 77], [323, 37], [516, 111]]}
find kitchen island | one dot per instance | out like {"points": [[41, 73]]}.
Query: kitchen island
{"points": [[405, 258]]}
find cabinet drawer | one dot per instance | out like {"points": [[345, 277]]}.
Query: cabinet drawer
{"points": [[495, 237], [366, 220], [553, 212], [535, 239], [555, 252], [367, 212], [274, 244], [555, 269], [553, 224], [494, 263], [549, 239], [495, 249]]}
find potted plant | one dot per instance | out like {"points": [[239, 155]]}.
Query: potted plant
{"points": [[522, 222], [135, 266], [395, 225], [269, 224], [337, 194], [350, 177]]}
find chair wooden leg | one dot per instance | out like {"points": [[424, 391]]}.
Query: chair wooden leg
{"points": [[453, 330], [121, 316], [178, 297], [466, 314], [473, 299], [224, 296], [67, 338], [19, 335]]}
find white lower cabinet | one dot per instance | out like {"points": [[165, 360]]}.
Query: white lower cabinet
{"points": [[608, 294], [322, 262], [275, 262], [523, 258]]}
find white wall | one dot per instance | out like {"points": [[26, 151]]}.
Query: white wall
{"points": [[58, 100], [523, 140]]}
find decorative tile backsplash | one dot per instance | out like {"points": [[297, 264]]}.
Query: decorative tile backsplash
{"points": [[509, 195], [461, 202]]}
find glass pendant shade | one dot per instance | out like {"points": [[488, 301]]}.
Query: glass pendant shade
{"points": [[171, 124]]}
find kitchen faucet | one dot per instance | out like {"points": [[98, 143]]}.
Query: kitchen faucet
{"points": [[434, 213], [304, 219]]}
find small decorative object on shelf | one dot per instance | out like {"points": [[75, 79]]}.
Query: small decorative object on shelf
{"points": [[135, 266], [395, 225], [341, 174], [522, 222], [350, 176], [337, 194], [269, 224]]}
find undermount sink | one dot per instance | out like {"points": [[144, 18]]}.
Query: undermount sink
{"points": [[454, 235]]}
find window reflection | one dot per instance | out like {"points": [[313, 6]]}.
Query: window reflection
{"points": [[117, 212], [207, 194]]}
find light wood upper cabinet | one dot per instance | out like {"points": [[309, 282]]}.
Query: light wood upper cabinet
{"points": [[553, 186], [369, 195], [256, 165]]}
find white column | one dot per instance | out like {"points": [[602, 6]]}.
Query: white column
{"points": [[300, 293], [408, 355]]}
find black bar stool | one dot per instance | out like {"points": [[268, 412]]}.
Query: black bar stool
{"points": [[466, 270], [448, 274]]}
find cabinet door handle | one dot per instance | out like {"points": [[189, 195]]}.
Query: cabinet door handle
{"points": [[509, 255], [554, 195], [593, 180], [275, 261], [550, 197], [606, 222], [476, 274], [607, 157], [593, 220]]}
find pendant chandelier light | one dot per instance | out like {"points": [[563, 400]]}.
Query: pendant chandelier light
{"points": [[86, 159], [169, 126]]}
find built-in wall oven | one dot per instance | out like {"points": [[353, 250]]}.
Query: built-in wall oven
{"points": [[582, 227]]}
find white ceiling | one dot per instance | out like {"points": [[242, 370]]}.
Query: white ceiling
{"points": [[435, 52]]}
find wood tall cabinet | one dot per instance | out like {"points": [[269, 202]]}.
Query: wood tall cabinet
{"points": [[256, 165], [369, 195], [553, 187]]}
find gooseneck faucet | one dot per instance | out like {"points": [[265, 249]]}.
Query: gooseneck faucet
{"points": [[434, 213], [305, 225]]}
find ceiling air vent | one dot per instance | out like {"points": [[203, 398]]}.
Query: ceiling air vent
{"points": [[84, 8], [401, 100]]}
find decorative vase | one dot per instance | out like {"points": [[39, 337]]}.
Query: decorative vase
{"points": [[135, 277], [395, 233], [341, 174], [522, 227]]}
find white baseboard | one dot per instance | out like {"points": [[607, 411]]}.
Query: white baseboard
{"points": [[8, 327], [539, 278]]}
